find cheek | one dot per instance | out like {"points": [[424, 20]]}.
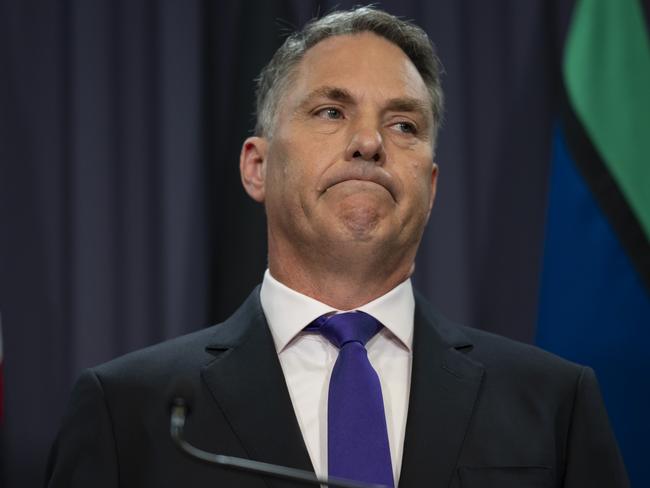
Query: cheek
{"points": [[419, 176], [285, 173], [278, 165]]}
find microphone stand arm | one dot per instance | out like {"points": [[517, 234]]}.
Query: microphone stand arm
{"points": [[177, 424]]}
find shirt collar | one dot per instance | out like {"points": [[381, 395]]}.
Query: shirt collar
{"points": [[288, 312]]}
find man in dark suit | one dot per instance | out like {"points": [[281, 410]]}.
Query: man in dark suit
{"points": [[348, 111]]}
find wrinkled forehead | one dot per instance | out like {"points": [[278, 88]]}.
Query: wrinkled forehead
{"points": [[364, 64]]}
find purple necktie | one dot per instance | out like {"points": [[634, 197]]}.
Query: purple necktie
{"points": [[356, 425]]}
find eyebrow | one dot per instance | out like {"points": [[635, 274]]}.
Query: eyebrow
{"points": [[408, 104], [330, 92]]}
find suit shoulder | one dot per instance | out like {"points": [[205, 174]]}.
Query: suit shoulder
{"points": [[493, 349], [498, 353], [188, 352], [162, 356], [516, 369]]}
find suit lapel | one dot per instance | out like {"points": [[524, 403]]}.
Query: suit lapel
{"points": [[247, 382], [444, 388]]}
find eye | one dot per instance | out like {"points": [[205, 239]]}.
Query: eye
{"points": [[330, 113], [406, 127]]}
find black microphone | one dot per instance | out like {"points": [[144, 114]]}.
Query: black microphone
{"points": [[181, 398]]}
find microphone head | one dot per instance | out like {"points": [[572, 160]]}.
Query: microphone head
{"points": [[181, 394]]}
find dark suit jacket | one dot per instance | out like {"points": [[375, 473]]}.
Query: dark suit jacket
{"points": [[484, 412]]}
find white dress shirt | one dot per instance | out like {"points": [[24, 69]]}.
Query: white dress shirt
{"points": [[307, 359]]}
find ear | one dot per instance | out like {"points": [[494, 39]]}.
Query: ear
{"points": [[434, 185], [252, 167]]}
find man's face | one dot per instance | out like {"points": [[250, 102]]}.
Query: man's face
{"points": [[350, 157]]}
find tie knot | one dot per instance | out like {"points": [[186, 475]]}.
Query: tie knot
{"points": [[342, 328]]}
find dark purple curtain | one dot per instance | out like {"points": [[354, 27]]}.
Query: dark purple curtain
{"points": [[122, 220]]}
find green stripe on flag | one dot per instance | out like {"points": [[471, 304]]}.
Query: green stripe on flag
{"points": [[607, 77]]}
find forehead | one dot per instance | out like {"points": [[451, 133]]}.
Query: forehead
{"points": [[365, 64]]}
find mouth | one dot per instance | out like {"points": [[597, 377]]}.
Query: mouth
{"points": [[363, 174]]}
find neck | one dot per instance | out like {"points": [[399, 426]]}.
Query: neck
{"points": [[342, 283]]}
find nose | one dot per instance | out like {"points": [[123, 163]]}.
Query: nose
{"points": [[366, 144]]}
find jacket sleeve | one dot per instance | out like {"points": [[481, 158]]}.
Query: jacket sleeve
{"points": [[593, 458], [84, 452]]}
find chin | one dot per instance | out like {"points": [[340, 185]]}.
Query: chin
{"points": [[361, 223]]}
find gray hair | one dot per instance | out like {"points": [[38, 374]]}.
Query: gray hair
{"points": [[276, 76]]}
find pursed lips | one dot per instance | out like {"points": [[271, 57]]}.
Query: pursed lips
{"points": [[373, 175]]}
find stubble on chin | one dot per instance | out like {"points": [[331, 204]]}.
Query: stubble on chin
{"points": [[359, 222]]}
